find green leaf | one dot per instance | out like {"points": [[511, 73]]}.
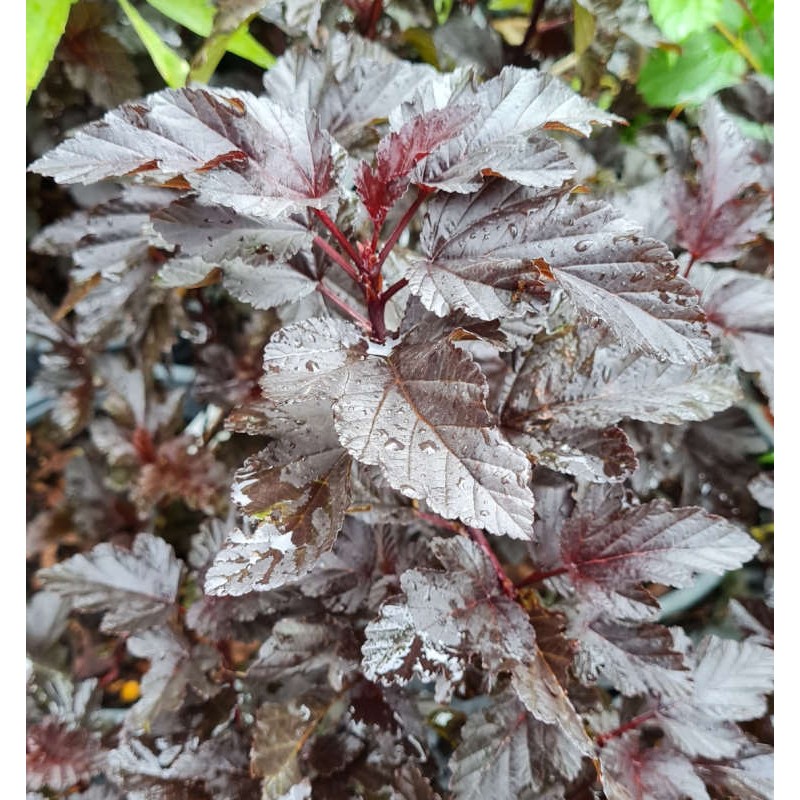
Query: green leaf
{"points": [[442, 9], [517, 6], [585, 24], [198, 17], [679, 18], [706, 65], [172, 68], [45, 21]]}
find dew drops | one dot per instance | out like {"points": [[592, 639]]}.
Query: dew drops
{"points": [[394, 445], [312, 366], [428, 446], [583, 245], [513, 231]]}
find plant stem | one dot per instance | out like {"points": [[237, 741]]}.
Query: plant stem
{"points": [[422, 193], [336, 300], [393, 289], [337, 257], [689, 266], [604, 738], [374, 16], [536, 12], [338, 235], [535, 577], [479, 538]]}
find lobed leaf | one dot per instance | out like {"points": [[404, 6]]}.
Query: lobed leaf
{"points": [[419, 414], [135, 588], [236, 150], [729, 205], [477, 248]]}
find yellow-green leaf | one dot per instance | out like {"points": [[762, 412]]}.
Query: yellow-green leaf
{"points": [[585, 24], [172, 68], [45, 21], [198, 17]]}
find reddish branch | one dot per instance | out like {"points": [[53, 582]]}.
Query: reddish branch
{"points": [[535, 577], [604, 738], [422, 193]]}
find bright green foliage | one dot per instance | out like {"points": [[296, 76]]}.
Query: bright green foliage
{"points": [[706, 65], [172, 68], [198, 17], [45, 21], [678, 18], [718, 39]]}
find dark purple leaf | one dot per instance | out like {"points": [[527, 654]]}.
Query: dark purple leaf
{"points": [[478, 248], [420, 415], [351, 85], [280, 732], [632, 771], [505, 752], [175, 667], [135, 588], [306, 646], [728, 207], [748, 777], [235, 149], [637, 659], [382, 186], [607, 556], [730, 681], [740, 309], [58, 757]]}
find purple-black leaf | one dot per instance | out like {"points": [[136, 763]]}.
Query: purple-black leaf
{"points": [[728, 205], [485, 252], [420, 415], [631, 771], [740, 309], [505, 752], [235, 149], [135, 588]]}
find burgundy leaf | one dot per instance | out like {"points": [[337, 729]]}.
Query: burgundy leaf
{"points": [[633, 771], [135, 588], [729, 206], [653, 542], [464, 608], [477, 248], [280, 732], [740, 309], [636, 659], [351, 84], [253, 252], [502, 138], [235, 149], [505, 752], [94, 59], [420, 415], [731, 680], [748, 777], [57, 757], [382, 186], [305, 646], [300, 484], [175, 667]]}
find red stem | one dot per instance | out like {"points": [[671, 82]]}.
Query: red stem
{"points": [[374, 16], [535, 577], [689, 266], [338, 235], [422, 193], [393, 290], [337, 257], [478, 537], [336, 300], [604, 738]]}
